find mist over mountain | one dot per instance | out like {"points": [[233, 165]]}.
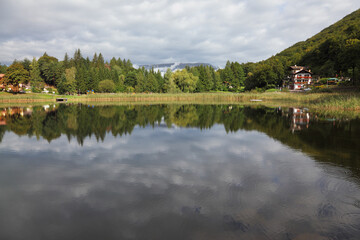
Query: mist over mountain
{"points": [[162, 67]]}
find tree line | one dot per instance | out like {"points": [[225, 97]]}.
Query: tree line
{"points": [[79, 75], [327, 54]]}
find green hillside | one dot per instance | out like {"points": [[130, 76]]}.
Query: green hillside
{"points": [[345, 28], [333, 51]]}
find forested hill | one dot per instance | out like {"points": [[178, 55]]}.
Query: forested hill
{"points": [[323, 42], [333, 51]]}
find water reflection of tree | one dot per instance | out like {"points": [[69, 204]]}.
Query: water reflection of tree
{"points": [[19, 124], [2, 132], [323, 139]]}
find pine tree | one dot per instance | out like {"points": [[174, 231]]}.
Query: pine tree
{"points": [[151, 83], [100, 61], [35, 78], [217, 81], [141, 85], [78, 59], [66, 62], [227, 76], [160, 81], [94, 60]]}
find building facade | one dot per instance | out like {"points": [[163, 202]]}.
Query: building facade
{"points": [[300, 77]]}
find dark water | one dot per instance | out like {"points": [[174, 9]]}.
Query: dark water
{"points": [[177, 172]]}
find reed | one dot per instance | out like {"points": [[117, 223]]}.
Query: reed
{"points": [[349, 101]]}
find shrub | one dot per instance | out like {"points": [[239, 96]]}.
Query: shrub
{"points": [[322, 90], [35, 89], [106, 86], [130, 89], [272, 90], [323, 81]]}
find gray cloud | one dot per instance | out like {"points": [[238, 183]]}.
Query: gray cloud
{"points": [[163, 30]]}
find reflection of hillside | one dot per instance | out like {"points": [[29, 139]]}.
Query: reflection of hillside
{"points": [[331, 141], [327, 141]]}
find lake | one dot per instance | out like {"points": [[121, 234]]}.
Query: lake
{"points": [[80, 171]]}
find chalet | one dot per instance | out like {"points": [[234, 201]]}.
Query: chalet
{"points": [[299, 78]]}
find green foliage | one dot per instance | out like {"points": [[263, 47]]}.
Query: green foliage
{"points": [[169, 85], [152, 84], [333, 51], [321, 90], [227, 76], [205, 75], [129, 89], [120, 87], [184, 80], [16, 74], [67, 84], [50, 69], [3, 68], [272, 90], [35, 78], [106, 86], [26, 64], [141, 82], [66, 62], [130, 79]]}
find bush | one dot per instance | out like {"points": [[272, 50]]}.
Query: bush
{"points": [[260, 90], [323, 81], [106, 86], [130, 89], [322, 90], [35, 89], [272, 90], [345, 83]]}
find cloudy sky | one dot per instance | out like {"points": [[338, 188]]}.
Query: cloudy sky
{"points": [[162, 31]]}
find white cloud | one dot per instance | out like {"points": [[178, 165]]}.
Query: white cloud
{"points": [[157, 31]]}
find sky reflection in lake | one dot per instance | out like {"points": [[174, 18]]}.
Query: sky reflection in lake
{"points": [[172, 183]]}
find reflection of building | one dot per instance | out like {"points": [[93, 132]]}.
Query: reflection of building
{"points": [[2, 117], [13, 111], [299, 119], [299, 77]]}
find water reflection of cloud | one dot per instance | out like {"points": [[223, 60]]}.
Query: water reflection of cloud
{"points": [[188, 180]]}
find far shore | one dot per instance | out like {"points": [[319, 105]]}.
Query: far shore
{"points": [[339, 101]]}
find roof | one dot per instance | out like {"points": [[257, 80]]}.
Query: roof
{"points": [[303, 71], [297, 67]]}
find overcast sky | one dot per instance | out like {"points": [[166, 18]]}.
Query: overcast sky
{"points": [[162, 31]]}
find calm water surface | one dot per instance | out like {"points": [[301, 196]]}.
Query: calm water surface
{"points": [[177, 172]]}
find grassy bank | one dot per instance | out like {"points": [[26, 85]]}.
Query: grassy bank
{"points": [[348, 101]]}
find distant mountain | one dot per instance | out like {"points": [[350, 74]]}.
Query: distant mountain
{"points": [[163, 67]]}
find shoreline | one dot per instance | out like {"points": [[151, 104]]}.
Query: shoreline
{"points": [[349, 101]]}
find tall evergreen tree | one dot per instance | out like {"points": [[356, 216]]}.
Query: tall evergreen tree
{"points": [[35, 78], [66, 62]]}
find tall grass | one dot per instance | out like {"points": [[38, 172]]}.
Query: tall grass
{"points": [[329, 101]]}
